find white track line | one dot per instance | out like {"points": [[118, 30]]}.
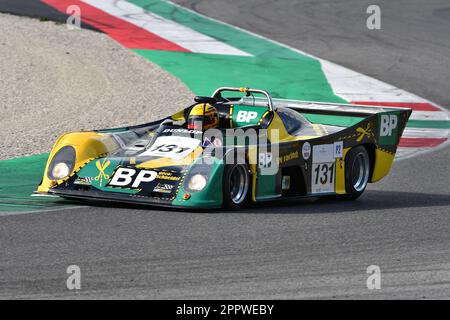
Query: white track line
{"points": [[338, 75], [430, 115], [181, 35], [425, 133], [354, 86]]}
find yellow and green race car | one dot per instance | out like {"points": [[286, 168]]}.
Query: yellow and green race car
{"points": [[229, 151]]}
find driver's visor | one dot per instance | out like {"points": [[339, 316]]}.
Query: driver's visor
{"points": [[195, 122]]}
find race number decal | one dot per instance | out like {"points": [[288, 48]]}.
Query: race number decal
{"points": [[323, 177], [323, 167], [172, 147]]}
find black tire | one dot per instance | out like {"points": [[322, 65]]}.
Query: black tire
{"points": [[235, 186], [357, 172]]}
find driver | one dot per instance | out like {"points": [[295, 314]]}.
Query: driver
{"points": [[203, 116]]}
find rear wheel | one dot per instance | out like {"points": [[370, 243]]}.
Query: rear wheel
{"points": [[357, 172], [236, 186]]}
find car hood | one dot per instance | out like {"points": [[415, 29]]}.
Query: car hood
{"points": [[157, 176]]}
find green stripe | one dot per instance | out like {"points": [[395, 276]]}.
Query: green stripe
{"points": [[284, 72], [430, 124], [203, 73], [19, 177], [242, 40]]}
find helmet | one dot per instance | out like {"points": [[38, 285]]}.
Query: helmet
{"points": [[203, 116]]}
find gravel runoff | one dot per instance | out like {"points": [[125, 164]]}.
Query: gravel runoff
{"points": [[54, 80]]}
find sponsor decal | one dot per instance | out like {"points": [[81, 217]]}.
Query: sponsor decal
{"points": [[181, 130], [286, 183], [102, 166], [338, 148], [163, 188], [361, 132], [131, 178], [306, 150], [86, 181], [264, 159], [288, 157], [96, 173], [246, 116], [168, 175], [267, 161], [323, 153], [388, 129]]}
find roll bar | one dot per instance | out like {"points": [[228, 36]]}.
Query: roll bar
{"points": [[248, 91]]}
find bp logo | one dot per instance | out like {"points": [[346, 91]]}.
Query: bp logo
{"points": [[243, 116], [246, 116], [388, 129]]}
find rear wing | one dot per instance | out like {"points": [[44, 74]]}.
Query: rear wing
{"points": [[352, 113], [303, 106], [339, 114], [326, 108]]}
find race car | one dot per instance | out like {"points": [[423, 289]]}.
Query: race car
{"points": [[230, 151]]}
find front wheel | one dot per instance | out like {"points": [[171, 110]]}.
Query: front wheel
{"points": [[357, 172], [236, 186]]}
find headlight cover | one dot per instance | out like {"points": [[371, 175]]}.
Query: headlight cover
{"points": [[62, 164], [60, 170], [198, 177], [197, 182]]}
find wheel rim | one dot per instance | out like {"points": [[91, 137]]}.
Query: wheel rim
{"points": [[360, 172], [238, 184]]}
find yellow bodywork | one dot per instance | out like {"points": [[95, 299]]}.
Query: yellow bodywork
{"points": [[178, 116], [340, 173], [87, 145], [276, 131], [383, 163]]}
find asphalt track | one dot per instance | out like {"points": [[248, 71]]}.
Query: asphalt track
{"points": [[300, 250]]}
